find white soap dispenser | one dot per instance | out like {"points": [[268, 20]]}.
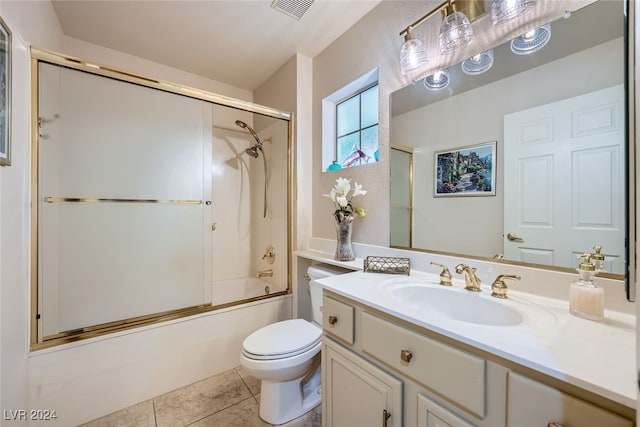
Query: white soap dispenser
{"points": [[586, 298]]}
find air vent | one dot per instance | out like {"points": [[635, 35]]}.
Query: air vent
{"points": [[292, 8]]}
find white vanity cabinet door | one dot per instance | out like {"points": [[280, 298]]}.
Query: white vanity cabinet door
{"points": [[430, 414], [533, 404], [357, 393]]}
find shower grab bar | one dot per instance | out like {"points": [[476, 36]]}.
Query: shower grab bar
{"points": [[94, 200]]}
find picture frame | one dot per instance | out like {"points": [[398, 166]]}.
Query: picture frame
{"points": [[5, 94], [465, 171]]}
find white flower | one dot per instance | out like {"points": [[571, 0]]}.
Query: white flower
{"points": [[357, 191], [331, 195], [343, 186], [341, 195]]}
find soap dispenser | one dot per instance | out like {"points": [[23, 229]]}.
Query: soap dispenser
{"points": [[598, 259], [586, 298]]}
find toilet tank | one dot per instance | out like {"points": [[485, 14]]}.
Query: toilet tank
{"points": [[317, 272]]}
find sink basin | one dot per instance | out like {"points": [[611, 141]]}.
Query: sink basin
{"points": [[457, 304]]}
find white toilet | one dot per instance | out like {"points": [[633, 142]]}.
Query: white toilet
{"points": [[285, 356]]}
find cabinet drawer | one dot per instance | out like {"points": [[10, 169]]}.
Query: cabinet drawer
{"points": [[533, 404], [337, 319], [452, 373]]}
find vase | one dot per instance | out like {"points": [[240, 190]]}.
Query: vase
{"points": [[344, 249]]}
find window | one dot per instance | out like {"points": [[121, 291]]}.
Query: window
{"points": [[350, 124], [357, 128]]}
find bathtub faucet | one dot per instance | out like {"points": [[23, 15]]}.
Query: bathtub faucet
{"points": [[265, 273]]}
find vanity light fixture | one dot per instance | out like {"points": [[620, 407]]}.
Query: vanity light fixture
{"points": [[412, 55], [437, 81], [531, 41], [503, 11], [455, 32], [479, 63]]}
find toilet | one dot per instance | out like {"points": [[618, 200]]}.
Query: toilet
{"points": [[285, 356]]}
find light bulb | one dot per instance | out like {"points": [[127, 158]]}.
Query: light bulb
{"points": [[437, 81], [531, 41], [479, 63]]}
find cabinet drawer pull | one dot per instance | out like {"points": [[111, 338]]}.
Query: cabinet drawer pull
{"points": [[333, 320], [554, 425], [406, 355], [385, 416]]}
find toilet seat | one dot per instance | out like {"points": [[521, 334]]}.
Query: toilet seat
{"points": [[281, 340]]}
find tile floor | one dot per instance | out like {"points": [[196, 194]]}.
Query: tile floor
{"points": [[229, 399]]}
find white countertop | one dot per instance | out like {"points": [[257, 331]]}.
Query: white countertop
{"points": [[596, 356]]}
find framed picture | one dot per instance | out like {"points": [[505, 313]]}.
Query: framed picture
{"points": [[5, 94], [466, 171]]}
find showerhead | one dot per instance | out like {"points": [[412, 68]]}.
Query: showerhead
{"points": [[253, 151], [243, 125]]}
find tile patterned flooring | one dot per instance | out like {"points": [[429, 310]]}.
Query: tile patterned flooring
{"points": [[229, 399]]}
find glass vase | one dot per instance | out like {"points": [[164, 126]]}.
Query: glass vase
{"points": [[344, 249]]}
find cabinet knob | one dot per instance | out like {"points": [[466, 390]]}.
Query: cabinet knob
{"points": [[385, 417], [333, 320], [406, 355]]}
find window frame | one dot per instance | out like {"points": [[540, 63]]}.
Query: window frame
{"points": [[329, 139], [360, 129]]}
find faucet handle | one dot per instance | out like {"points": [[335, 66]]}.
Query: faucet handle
{"points": [[445, 275], [499, 287]]}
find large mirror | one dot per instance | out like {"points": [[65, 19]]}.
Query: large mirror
{"points": [[555, 186]]}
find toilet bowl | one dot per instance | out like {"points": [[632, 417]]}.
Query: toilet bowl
{"points": [[285, 356]]}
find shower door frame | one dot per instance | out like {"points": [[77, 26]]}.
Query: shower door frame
{"points": [[45, 56]]}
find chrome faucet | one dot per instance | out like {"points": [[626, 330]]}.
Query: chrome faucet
{"points": [[265, 273], [471, 281]]}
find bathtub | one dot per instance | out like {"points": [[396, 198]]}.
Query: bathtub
{"points": [[232, 290]]}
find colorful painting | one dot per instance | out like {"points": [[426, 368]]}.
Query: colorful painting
{"points": [[466, 171]]}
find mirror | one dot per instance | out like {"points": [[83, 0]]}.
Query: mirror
{"points": [[558, 121]]}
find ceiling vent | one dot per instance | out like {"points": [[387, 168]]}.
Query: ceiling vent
{"points": [[292, 8]]}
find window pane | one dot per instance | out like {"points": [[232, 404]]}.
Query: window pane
{"points": [[348, 116], [369, 107], [346, 146], [369, 144]]}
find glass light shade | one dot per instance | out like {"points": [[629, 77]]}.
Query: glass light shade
{"points": [[437, 81], [531, 41], [412, 55], [505, 10], [479, 63], [455, 32]]}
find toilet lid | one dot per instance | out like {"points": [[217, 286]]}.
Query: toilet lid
{"points": [[282, 339]]}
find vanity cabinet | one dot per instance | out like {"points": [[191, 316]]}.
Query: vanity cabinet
{"points": [[356, 392], [375, 364], [533, 404]]}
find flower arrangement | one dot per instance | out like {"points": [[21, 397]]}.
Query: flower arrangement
{"points": [[341, 195]]}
